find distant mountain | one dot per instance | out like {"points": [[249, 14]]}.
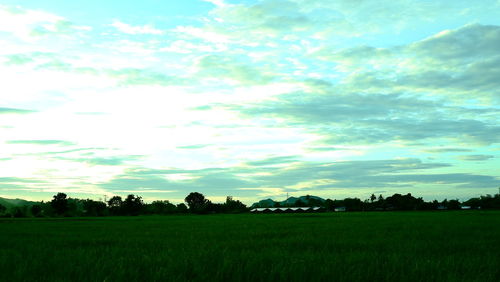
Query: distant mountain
{"points": [[308, 199], [267, 203], [10, 203]]}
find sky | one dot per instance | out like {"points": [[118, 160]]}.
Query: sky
{"points": [[252, 99]]}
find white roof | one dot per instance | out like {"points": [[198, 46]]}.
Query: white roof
{"points": [[285, 209]]}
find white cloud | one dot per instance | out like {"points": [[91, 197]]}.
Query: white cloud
{"points": [[22, 23], [218, 3], [207, 35], [31, 25], [130, 29]]}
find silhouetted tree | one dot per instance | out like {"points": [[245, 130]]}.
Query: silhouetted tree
{"points": [[373, 198], [234, 206], [490, 202], [313, 202], [329, 205], [299, 203], [197, 202], [75, 207], [403, 202], [161, 207], [2, 209], [214, 208], [115, 205], [60, 203], [182, 208], [453, 205], [19, 211], [36, 210], [353, 204], [132, 205], [93, 208]]}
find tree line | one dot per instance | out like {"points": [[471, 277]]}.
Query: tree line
{"points": [[396, 202], [133, 205]]}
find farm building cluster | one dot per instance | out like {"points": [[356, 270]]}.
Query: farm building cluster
{"points": [[287, 210]]}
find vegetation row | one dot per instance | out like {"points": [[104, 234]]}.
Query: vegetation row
{"points": [[132, 205]]}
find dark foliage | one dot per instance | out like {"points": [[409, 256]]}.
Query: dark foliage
{"points": [[115, 205], [161, 207], [132, 205], [36, 210], [234, 206], [182, 208], [197, 203], [60, 204], [94, 208]]}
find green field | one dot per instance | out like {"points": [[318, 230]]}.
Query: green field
{"points": [[385, 246]]}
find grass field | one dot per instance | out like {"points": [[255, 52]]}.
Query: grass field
{"points": [[404, 246]]}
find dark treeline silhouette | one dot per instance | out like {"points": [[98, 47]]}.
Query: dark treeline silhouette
{"points": [[133, 205], [396, 202]]}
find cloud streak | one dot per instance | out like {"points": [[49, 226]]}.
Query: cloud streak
{"points": [[4, 111], [41, 142]]}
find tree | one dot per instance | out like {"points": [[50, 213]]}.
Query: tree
{"points": [[161, 207], [93, 208], [299, 203], [454, 205], [181, 208], [373, 198], [115, 205], [196, 202], [132, 205], [353, 204], [2, 209], [60, 203], [234, 206], [36, 210]]}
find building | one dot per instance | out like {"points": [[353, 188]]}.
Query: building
{"points": [[340, 209], [287, 210]]}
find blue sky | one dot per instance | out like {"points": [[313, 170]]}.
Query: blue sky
{"points": [[252, 99]]}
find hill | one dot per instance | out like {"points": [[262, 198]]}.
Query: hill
{"points": [[292, 201], [10, 203]]}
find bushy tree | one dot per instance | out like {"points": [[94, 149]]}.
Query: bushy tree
{"points": [[404, 202], [132, 205], [453, 205], [36, 210], [115, 205], [329, 205], [161, 207], [94, 208], [60, 203], [2, 209], [234, 206], [352, 204], [19, 211], [197, 202], [182, 208], [299, 203]]}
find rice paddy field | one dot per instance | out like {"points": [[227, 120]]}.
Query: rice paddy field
{"points": [[385, 246]]}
